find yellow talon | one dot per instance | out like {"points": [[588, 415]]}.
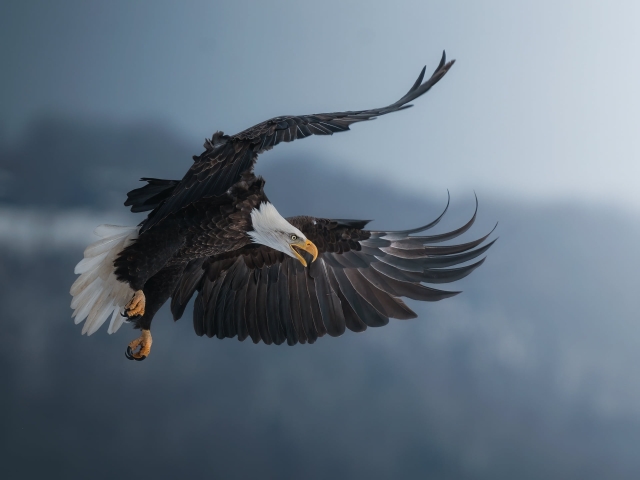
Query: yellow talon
{"points": [[136, 305], [144, 341]]}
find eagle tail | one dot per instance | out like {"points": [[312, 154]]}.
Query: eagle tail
{"points": [[97, 293]]}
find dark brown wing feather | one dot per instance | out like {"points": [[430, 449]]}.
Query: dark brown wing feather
{"points": [[226, 157], [355, 283]]}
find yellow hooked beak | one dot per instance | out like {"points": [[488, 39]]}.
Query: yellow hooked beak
{"points": [[307, 246]]}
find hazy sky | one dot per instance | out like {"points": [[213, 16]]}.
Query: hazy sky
{"points": [[543, 101], [531, 371]]}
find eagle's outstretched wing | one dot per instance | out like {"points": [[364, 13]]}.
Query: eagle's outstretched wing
{"points": [[226, 157], [356, 282]]}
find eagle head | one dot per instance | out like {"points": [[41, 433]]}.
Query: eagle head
{"points": [[273, 230]]}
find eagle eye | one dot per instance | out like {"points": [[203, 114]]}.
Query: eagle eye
{"points": [[294, 237]]}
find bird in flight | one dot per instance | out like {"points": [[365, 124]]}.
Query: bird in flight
{"points": [[257, 274]]}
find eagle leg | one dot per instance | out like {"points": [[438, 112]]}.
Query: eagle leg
{"points": [[136, 305], [144, 341], [142, 308], [135, 308]]}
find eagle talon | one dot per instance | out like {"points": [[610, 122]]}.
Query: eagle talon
{"points": [[131, 356], [144, 342], [135, 307]]}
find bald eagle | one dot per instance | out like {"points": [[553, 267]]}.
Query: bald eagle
{"points": [[256, 273]]}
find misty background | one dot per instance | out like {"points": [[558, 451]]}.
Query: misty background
{"points": [[530, 373]]}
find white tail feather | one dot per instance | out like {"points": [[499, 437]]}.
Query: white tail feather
{"points": [[97, 293]]}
